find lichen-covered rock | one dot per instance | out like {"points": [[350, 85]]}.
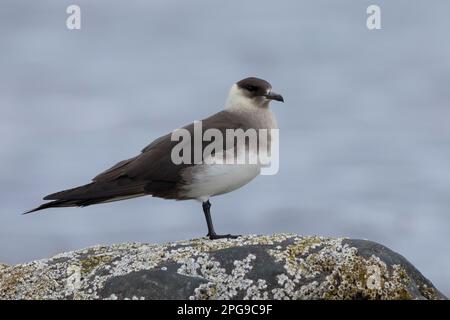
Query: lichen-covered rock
{"points": [[282, 266]]}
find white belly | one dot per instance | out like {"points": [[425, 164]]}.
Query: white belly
{"points": [[215, 179]]}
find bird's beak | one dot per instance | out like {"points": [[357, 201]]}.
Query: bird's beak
{"points": [[274, 96]]}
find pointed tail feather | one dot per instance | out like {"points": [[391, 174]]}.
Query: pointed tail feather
{"points": [[80, 203], [69, 203], [55, 204], [93, 193]]}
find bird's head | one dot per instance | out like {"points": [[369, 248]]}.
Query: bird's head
{"points": [[252, 92]]}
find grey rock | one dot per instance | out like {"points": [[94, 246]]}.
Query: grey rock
{"points": [[281, 266], [151, 284]]}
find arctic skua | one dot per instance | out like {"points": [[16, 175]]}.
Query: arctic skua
{"points": [[154, 172]]}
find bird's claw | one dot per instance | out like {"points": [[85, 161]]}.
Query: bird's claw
{"points": [[222, 236]]}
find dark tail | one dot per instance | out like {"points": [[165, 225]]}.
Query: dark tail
{"points": [[55, 204], [93, 193]]}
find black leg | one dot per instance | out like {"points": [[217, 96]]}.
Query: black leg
{"points": [[211, 233]]}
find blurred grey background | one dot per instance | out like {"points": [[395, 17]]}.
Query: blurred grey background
{"points": [[365, 134]]}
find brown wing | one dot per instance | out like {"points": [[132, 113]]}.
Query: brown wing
{"points": [[152, 172]]}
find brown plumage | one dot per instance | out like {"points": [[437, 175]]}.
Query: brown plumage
{"points": [[150, 173]]}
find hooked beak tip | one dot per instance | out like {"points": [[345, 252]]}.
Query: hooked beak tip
{"points": [[274, 96]]}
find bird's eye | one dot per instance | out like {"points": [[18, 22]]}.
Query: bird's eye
{"points": [[251, 88]]}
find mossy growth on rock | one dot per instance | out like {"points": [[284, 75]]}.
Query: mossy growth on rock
{"points": [[281, 266]]}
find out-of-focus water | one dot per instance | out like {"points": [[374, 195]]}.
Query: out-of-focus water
{"points": [[365, 134]]}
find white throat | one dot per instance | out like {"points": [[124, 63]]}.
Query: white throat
{"points": [[238, 100]]}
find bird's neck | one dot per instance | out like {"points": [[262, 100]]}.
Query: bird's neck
{"points": [[260, 117]]}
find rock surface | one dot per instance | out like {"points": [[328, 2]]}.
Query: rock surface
{"points": [[282, 266]]}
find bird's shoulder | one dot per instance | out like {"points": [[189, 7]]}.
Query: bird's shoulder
{"points": [[155, 162], [221, 120]]}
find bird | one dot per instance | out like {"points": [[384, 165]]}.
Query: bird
{"points": [[154, 173]]}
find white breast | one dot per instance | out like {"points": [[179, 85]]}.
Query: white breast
{"points": [[207, 180]]}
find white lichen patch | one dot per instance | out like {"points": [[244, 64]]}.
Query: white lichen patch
{"points": [[223, 286], [73, 282], [307, 268]]}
